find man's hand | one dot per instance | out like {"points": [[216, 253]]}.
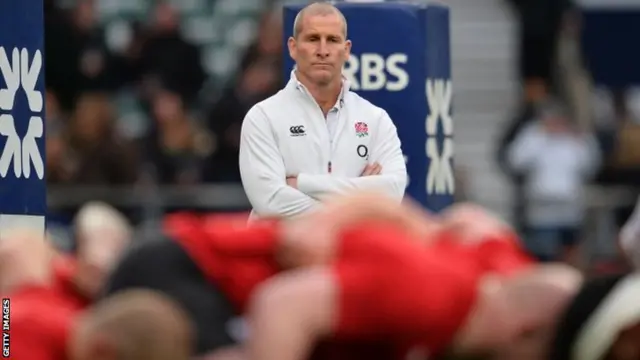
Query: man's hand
{"points": [[372, 169], [292, 181]]}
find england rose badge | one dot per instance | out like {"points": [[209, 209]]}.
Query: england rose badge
{"points": [[362, 129]]}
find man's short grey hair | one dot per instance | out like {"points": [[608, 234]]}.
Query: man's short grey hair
{"points": [[318, 9]]}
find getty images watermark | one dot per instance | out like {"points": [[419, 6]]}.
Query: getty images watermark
{"points": [[6, 328]]}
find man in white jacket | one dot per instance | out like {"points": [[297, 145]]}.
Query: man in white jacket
{"points": [[315, 138]]}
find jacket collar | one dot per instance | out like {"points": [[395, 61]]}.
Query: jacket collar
{"points": [[296, 85]]}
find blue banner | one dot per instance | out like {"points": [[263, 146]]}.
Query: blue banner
{"points": [[607, 42], [22, 167], [401, 62]]}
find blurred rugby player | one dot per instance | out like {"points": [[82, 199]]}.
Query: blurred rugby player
{"points": [[47, 325]]}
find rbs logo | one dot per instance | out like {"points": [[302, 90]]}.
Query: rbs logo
{"points": [[369, 71], [19, 73], [440, 173]]}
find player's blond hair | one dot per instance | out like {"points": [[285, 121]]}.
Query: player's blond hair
{"points": [[140, 324]]}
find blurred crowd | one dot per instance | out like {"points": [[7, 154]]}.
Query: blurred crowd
{"points": [[571, 129], [178, 134]]}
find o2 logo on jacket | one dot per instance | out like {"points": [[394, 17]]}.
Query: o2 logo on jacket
{"points": [[21, 71], [372, 72], [440, 173]]}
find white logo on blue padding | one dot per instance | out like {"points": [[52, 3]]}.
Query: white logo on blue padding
{"points": [[21, 71], [439, 180]]}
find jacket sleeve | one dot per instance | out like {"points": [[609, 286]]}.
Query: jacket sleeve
{"points": [[525, 147], [385, 150], [263, 172]]}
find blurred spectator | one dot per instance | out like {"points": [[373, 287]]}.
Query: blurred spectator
{"points": [[623, 135], [178, 146], [269, 41], [540, 24], [259, 77], [556, 161], [55, 141], [92, 152], [513, 129], [165, 59], [77, 57], [257, 82], [54, 114], [619, 136], [58, 49]]}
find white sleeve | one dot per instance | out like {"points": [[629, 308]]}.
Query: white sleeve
{"points": [[385, 149], [630, 237], [263, 172], [524, 148]]}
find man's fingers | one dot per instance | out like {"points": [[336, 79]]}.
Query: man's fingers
{"points": [[377, 169], [372, 169], [367, 170]]}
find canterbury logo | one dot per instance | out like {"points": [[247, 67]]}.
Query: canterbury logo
{"points": [[297, 130]]}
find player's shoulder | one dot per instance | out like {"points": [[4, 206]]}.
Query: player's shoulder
{"points": [[271, 106], [365, 107], [41, 320], [354, 99], [40, 303], [264, 114]]}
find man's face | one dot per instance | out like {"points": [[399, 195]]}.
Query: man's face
{"points": [[320, 50]]}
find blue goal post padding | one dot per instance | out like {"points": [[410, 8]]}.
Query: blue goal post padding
{"points": [[22, 167], [401, 61]]}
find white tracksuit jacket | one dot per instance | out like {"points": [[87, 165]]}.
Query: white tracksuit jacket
{"points": [[288, 135]]}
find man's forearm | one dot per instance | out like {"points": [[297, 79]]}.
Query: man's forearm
{"points": [[284, 201], [321, 186]]}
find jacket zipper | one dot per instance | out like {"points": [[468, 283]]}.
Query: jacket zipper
{"points": [[329, 165], [324, 117]]}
